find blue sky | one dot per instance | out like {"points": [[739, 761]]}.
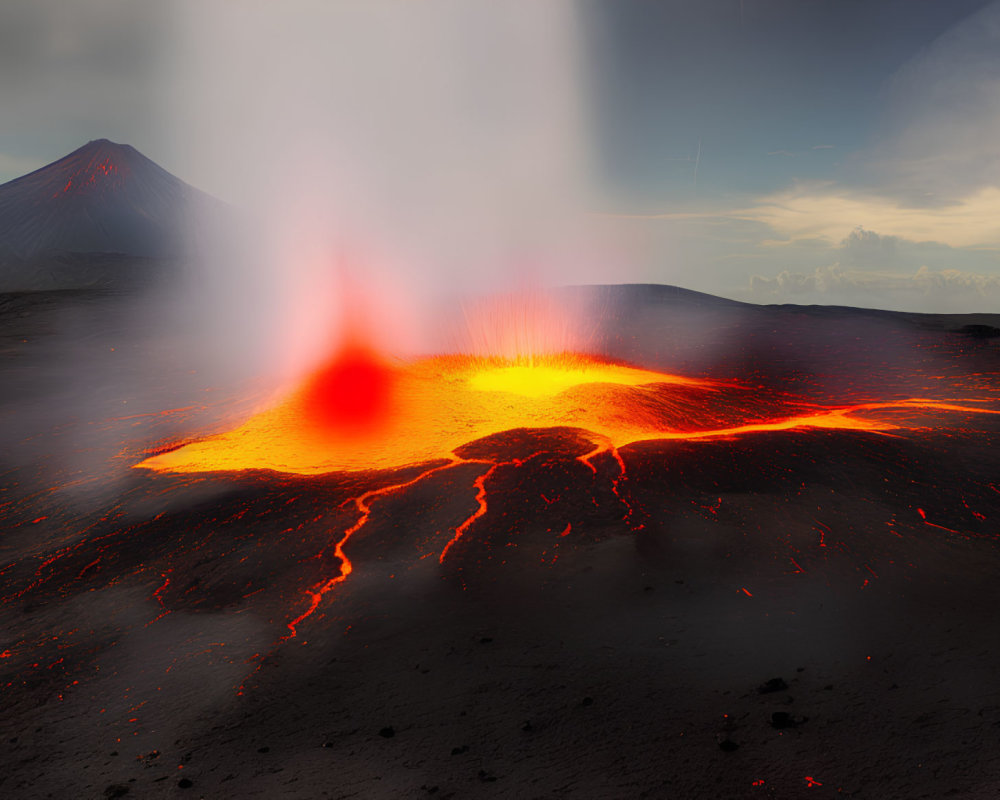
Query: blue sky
{"points": [[848, 150], [761, 88], [813, 151]]}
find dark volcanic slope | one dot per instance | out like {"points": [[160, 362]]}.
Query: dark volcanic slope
{"points": [[101, 198], [793, 614]]}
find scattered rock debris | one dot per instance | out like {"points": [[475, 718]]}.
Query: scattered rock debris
{"points": [[773, 685], [782, 719]]}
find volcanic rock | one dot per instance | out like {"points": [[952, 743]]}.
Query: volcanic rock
{"points": [[980, 331], [773, 685], [782, 719]]}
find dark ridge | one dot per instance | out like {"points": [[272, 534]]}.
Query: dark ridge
{"points": [[980, 331], [657, 293]]}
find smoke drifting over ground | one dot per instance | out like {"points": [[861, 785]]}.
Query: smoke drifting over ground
{"points": [[423, 151]]}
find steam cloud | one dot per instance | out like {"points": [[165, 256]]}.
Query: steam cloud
{"points": [[393, 156]]}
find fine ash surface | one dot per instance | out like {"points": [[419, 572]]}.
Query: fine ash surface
{"points": [[770, 616]]}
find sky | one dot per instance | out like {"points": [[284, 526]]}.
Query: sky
{"points": [[808, 151]]}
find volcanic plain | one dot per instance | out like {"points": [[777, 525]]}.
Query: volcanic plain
{"points": [[772, 574]]}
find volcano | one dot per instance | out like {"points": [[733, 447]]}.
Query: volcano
{"points": [[101, 198]]}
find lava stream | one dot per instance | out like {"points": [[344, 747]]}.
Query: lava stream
{"points": [[605, 445], [363, 503], [480, 484], [428, 410]]}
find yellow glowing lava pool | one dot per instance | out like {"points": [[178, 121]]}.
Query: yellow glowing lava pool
{"points": [[429, 407]]}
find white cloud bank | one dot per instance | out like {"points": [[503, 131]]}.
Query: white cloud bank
{"points": [[884, 272], [830, 212], [835, 278]]}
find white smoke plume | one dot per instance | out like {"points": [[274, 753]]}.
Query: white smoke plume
{"points": [[412, 151]]}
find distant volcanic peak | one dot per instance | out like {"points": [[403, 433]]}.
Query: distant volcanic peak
{"points": [[99, 167], [101, 198]]}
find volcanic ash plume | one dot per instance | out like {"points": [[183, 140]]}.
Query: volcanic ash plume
{"points": [[431, 148]]}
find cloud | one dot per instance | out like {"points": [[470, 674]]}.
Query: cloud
{"points": [[932, 173], [823, 147], [417, 151], [831, 212], [70, 72], [864, 247], [835, 278], [939, 141], [872, 270]]}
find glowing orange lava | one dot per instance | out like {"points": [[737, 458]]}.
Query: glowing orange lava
{"points": [[360, 413], [363, 504], [380, 416]]}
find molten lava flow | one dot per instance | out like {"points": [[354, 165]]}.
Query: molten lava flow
{"points": [[480, 484], [363, 504], [377, 416], [359, 413], [547, 378], [382, 417]]}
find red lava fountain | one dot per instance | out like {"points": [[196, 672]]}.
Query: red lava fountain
{"points": [[351, 395]]}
